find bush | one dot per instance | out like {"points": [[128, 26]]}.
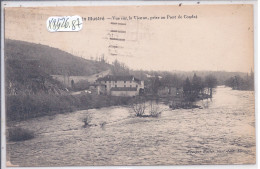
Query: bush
{"points": [[155, 112], [22, 106], [87, 120], [81, 85], [19, 134]]}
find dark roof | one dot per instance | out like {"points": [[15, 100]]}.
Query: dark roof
{"points": [[118, 78], [123, 89]]}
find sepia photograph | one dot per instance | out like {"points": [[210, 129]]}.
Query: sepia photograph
{"points": [[135, 85]]}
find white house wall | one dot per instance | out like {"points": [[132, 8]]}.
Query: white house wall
{"points": [[132, 84]]}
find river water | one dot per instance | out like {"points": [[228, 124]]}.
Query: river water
{"points": [[223, 132]]}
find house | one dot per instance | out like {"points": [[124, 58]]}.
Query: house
{"points": [[120, 85]]}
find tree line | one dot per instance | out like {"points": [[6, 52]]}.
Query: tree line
{"points": [[241, 83], [190, 87]]}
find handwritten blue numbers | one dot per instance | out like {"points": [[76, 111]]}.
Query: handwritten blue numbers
{"points": [[64, 23]]}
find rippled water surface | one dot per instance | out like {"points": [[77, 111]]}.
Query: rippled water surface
{"points": [[223, 132]]}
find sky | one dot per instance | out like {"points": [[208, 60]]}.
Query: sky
{"points": [[216, 38]]}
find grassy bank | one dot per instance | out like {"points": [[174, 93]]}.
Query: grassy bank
{"points": [[23, 107], [19, 134]]}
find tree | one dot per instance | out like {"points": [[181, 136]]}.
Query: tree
{"points": [[119, 69], [187, 86], [210, 82], [239, 83], [188, 92], [155, 85], [197, 84], [170, 80]]}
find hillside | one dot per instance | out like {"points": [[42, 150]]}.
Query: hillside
{"points": [[28, 67], [52, 60]]}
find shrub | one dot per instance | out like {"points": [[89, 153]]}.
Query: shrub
{"points": [[20, 134], [22, 106], [87, 121]]}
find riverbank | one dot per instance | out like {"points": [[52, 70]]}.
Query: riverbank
{"points": [[222, 133], [23, 107]]}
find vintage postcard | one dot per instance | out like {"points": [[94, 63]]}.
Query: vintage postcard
{"points": [[129, 85]]}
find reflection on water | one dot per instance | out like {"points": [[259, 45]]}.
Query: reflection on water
{"points": [[221, 133]]}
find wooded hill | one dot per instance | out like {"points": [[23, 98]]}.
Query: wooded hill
{"points": [[52, 60], [28, 67]]}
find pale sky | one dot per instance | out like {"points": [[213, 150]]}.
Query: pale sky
{"points": [[221, 38]]}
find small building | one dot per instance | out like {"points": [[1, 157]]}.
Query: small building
{"points": [[120, 86]]}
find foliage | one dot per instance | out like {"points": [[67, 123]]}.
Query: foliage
{"points": [[20, 134], [239, 83], [171, 80], [153, 85], [26, 76], [154, 109], [81, 85], [119, 69], [195, 88], [22, 107], [141, 104], [87, 120], [197, 84], [187, 86], [138, 106], [29, 68], [210, 81]]}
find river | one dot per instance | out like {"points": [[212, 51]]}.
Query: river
{"points": [[223, 132]]}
